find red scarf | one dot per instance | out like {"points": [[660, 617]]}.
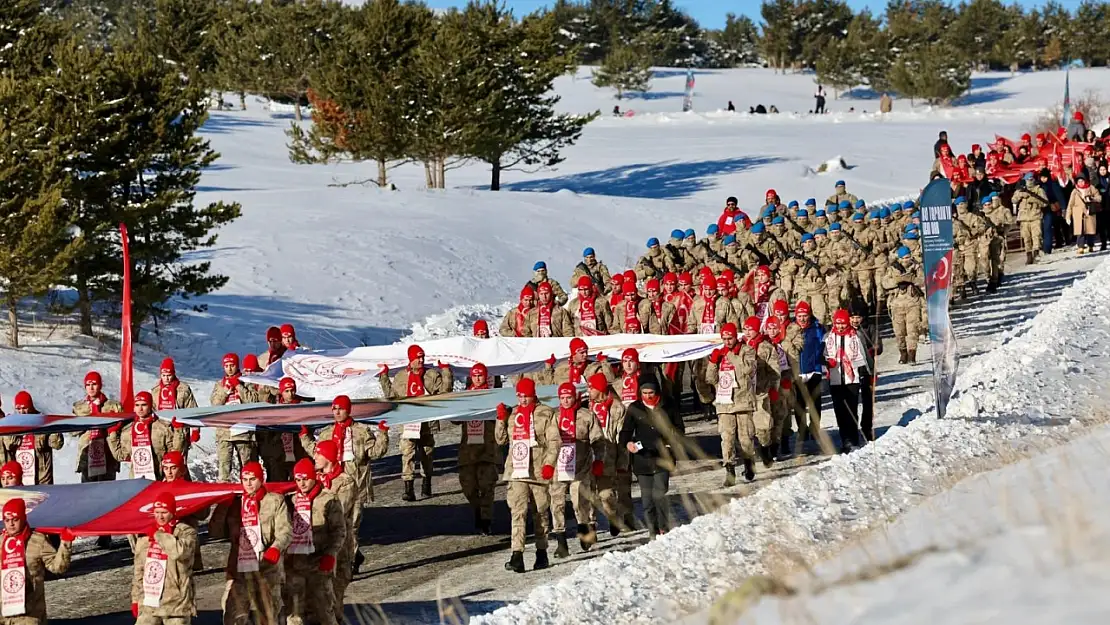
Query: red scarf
{"points": [[167, 395], [616, 298], [94, 409], [841, 357], [760, 291], [726, 364], [15, 549], [754, 343], [303, 501], [630, 386], [587, 312], [657, 307], [416, 383], [709, 313], [327, 478], [576, 371], [601, 410], [231, 385], [653, 403], [522, 422], [568, 418], [141, 439], [779, 336], [339, 435], [484, 387], [543, 327], [682, 304], [631, 321], [521, 315]]}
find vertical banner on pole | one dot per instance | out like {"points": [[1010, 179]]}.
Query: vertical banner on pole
{"points": [[126, 382], [936, 230], [1067, 100], [688, 98]]}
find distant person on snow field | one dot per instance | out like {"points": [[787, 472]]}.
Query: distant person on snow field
{"points": [[820, 96], [886, 103], [731, 107]]}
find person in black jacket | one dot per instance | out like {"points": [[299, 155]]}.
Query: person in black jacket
{"points": [[652, 430], [873, 346], [979, 188], [942, 140]]}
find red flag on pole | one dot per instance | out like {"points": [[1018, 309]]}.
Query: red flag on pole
{"points": [[126, 382]]}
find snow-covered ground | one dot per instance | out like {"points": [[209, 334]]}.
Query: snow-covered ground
{"points": [[351, 265]]}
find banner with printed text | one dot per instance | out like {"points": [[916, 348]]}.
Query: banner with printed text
{"points": [[936, 238]]}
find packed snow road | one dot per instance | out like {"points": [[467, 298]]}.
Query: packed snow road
{"points": [[421, 555]]}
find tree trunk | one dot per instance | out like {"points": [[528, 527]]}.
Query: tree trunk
{"points": [[13, 321], [429, 181], [441, 172], [495, 176], [242, 101], [84, 306], [381, 174], [297, 109]]}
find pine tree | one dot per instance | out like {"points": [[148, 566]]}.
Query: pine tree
{"points": [[239, 56], [516, 125], [782, 40], [836, 68], [821, 23], [936, 73], [1089, 33], [291, 36], [625, 69], [739, 40], [34, 221], [363, 81]]}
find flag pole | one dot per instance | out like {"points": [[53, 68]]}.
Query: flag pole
{"points": [[126, 380]]}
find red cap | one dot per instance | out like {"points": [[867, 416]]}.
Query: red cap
{"points": [[772, 325], [781, 308], [273, 334], [770, 193], [566, 388], [144, 397], [801, 307], [287, 384], [584, 282], [231, 359], [709, 281], [753, 323], [1026, 137], [974, 147], [287, 328], [670, 277], [729, 329], [652, 285], [616, 279], [167, 365], [23, 400], [479, 369], [254, 469], [544, 287], [629, 275], [727, 275], [577, 345], [304, 469], [342, 402], [250, 363], [174, 459], [631, 353], [527, 291], [481, 326], [94, 376], [763, 269], [526, 387], [15, 508], [628, 287], [329, 450], [415, 351], [1078, 116], [165, 501], [841, 316], [685, 278], [598, 382], [12, 467]]}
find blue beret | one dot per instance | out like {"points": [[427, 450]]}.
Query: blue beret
{"points": [[803, 212], [908, 205], [961, 200], [857, 217], [884, 212], [652, 242], [844, 204], [712, 229], [912, 236], [779, 219], [875, 214], [819, 232], [792, 204], [860, 203], [677, 234], [903, 252], [839, 183], [729, 239], [916, 214], [834, 227], [811, 202], [589, 251], [820, 212], [688, 233], [539, 265], [757, 227], [807, 237]]}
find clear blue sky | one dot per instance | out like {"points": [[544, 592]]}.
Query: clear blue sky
{"points": [[711, 13]]}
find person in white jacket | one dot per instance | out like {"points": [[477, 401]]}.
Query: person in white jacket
{"points": [[845, 358]]}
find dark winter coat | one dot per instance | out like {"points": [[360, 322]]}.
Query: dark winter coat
{"points": [[979, 189], [812, 357], [657, 429]]}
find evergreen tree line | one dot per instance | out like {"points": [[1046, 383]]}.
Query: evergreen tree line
{"points": [[915, 48], [99, 128]]}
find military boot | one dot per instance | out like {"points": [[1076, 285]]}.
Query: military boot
{"points": [[562, 551], [749, 469], [516, 562], [410, 492], [541, 560], [1029, 258], [426, 487], [902, 356], [730, 475], [765, 454], [587, 536], [911, 355]]}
